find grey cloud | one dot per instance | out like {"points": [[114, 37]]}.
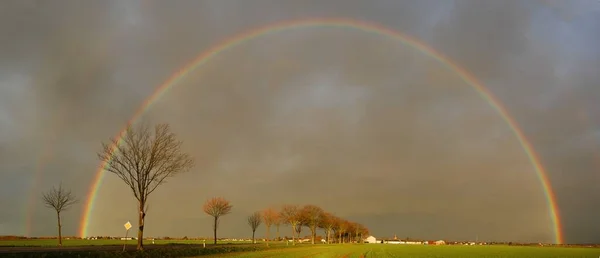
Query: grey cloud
{"points": [[368, 128]]}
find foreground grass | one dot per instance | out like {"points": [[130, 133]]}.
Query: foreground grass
{"points": [[307, 250], [419, 251]]}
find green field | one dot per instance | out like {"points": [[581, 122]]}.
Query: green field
{"points": [[354, 250], [419, 251]]}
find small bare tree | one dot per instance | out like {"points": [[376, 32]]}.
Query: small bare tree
{"points": [[144, 159], [60, 200], [217, 207], [254, 221], [290, 215], [269, 217]]}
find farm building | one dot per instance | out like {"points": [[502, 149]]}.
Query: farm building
{"points": [[371, 240]]}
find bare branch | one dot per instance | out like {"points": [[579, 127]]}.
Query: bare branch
{"points": [[254, 220], [143, 159], [59, 199], [217, 207]]}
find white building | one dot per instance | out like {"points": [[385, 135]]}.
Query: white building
{"points": [[371, 240]]}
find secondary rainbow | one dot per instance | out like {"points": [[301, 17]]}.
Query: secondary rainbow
{"points": [[367, 27]]}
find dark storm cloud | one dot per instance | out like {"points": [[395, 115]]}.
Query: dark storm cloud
{"points": [[365, 127]]}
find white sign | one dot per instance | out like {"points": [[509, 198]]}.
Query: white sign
{"points": [[127, 225]]}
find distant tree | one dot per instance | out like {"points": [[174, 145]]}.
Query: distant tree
{"points": [[364, 231], [269, 217], [60, 200], [336, 228], [327, 224], [312, 215], [342, 229], [144, 159], [217, 207], [298, 230], [277, 223], [354, 230], [254, 221], [290, 215]]}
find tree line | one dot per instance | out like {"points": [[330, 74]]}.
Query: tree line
{"points": [[336, 229], [144, 158]]}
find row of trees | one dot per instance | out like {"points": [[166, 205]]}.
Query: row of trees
{"points": [[144, 158], [311, 216]]}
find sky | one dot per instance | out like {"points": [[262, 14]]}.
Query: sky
{"points": [[368, 128]]}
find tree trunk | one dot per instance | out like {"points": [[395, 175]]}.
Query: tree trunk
{"points": [[293, 234], [277, 232], [59, 229], [312, 235], [215, 229], [268, 229], [140, 235], [253, 240], [340, 239]]}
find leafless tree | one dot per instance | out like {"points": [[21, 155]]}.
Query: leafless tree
{"points": [[277, 223], [312, 215], [269, 217], [290, 215], [328, 224], [254, 221], [217, 207], [343, 226], [60, 200], [144, 159]]}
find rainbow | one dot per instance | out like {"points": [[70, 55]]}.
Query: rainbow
{"points": [[367, 27]]}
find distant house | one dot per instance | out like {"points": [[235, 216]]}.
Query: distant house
{"points": [[371, 240], [440, 242]]}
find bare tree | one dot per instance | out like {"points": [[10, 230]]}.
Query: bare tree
{"points": [[350, 230], [217, 207], [312, 215], [328, 224], [290, 215], [144, 159], [60, 200], [277, 223], [342, 226], [269, 217], [362, 231], [254, 221]]}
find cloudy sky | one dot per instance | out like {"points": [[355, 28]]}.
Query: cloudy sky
{"points": [[366, 127]]}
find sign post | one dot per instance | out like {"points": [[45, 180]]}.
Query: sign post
{"points": [[127, 227]]}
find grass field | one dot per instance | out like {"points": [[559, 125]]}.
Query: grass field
{"points": [[451, 251], [355, 250]]}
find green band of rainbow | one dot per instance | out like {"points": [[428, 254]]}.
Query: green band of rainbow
{"points": [[368, 27]]}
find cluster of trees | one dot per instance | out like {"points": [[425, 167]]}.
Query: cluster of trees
{"points": [[336, 229], [144, 158], [313, 217]]}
